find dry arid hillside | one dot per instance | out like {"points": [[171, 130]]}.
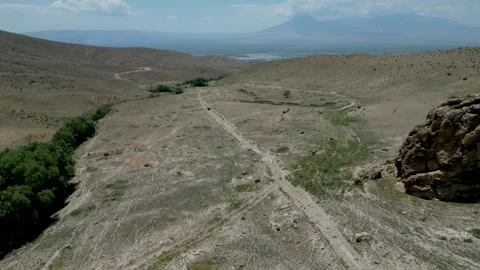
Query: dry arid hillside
{"points": [[273, 167], [395, 91], [42, 81]]}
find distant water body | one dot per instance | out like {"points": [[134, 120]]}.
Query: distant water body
{"points": [[264, 57], [273, 56]]}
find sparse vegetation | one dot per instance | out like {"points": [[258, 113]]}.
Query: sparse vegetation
{"points": [[153, 95], [243, 188], [34, 180], [82, 210], [282, 149], [101, 112], [198, 82], [229, 170], [201, 81], [269, 172], [115, 190], [475, 233], [41, 119], [324, 174], [162, 88], [235, 204], [287, 94], [245, 121], [202, 127], [165, 260], [343, 120], [178, 90]]}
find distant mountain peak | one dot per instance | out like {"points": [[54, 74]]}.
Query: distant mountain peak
{"points": [[300, 31], [299, 24], [303, 18], [397, 24]]}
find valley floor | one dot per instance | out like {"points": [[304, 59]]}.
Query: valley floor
{"points": [[195, 180], [203, 180]]}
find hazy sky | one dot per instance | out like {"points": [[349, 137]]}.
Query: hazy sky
{"points": [[229, 16]]}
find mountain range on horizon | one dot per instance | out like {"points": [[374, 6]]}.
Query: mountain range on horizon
{"points": [[301, 32], [392, 24]]}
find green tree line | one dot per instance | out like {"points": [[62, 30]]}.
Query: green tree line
{"points": [[35, 180]]}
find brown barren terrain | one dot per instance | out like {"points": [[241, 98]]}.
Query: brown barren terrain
{"points": [[43, 81], [209, 179]]}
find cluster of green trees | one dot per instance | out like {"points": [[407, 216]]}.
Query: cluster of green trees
{"points": [[34, 180], [201, 81], [198, 82], [162, 88], [177, 89]]}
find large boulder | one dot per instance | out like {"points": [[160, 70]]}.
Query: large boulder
{"points": [[441, 159]]}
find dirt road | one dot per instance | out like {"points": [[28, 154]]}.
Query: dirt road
{"points": [[143, 69], [303, 200]]}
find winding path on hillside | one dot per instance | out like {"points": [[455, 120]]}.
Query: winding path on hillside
{"points": [[118, 76], [300, 198]]}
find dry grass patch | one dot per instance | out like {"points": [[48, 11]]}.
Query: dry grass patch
{"points": [[116, 189], [327, 173], [282, 149], [82, 210], [243, 188], [235, 204]]}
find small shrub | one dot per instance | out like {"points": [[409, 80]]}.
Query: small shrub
{"points": [[343, 120], [178, 90], [475, 233], [82, 210], [282, 149], [287, 94], [165, 260], [235, 204], [116, 190], [202, 127], [101, 112], [243, 188], [161, 88]]}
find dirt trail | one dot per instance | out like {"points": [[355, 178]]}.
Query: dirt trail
{"points": [[353, 103], [143, 69], [301, 199]]}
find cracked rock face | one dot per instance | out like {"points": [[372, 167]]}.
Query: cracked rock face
{"points": [[441, 159]]}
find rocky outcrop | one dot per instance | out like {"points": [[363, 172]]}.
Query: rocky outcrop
{"points": [[441, 159]]}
